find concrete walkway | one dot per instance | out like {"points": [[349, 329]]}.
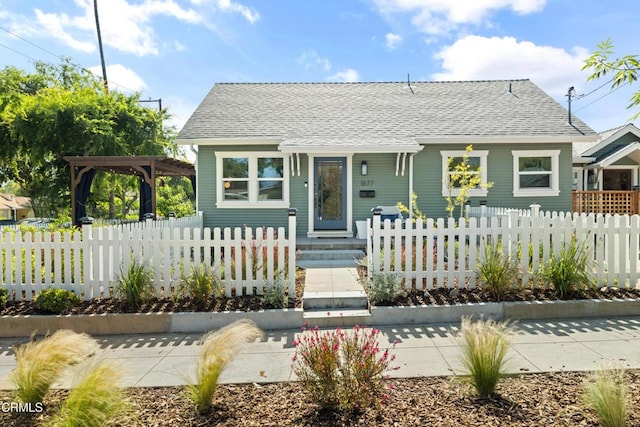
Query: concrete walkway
{"points": [[421, 350]]}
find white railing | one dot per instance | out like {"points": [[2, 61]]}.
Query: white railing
{"points": [[493, 211], [423, 253], [194, 221], [90, 261]]}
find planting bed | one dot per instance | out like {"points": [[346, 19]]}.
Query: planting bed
{"points": [[527, 400]]}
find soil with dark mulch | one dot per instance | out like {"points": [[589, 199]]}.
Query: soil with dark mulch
{"points": [[526, 400], [412, 297]]}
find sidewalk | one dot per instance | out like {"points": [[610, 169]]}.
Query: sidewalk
{"points": [[421, 350]]}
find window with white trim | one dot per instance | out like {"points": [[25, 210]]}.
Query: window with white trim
{"points": [[477, 161], [252, 179], [536, 173]]}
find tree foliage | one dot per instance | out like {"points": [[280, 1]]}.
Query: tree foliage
{"points": [[624, 70], [63, 110], [463, 176]]}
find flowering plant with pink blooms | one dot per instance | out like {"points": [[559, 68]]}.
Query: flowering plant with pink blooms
{"points": [[343, 370]]}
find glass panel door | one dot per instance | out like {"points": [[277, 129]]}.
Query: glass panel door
{"points": [[330, 197]]}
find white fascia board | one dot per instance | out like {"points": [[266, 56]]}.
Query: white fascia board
{"points": [[230, 141], [504, 139], [350, 149], [582, 159]]}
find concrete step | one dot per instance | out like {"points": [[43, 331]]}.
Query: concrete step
{"points": [[322, 243], [334, 300], [327, 263], [334, 318], [329, 254]]}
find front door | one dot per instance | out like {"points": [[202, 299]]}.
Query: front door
{"points": [[330, 197]]}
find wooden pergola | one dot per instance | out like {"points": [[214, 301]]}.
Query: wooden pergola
{"points": [[146, 167]]}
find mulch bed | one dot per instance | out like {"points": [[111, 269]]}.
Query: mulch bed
{"points": [[527, 400]]}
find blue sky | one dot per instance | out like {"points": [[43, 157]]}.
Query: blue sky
{"points": [[177, 49]]}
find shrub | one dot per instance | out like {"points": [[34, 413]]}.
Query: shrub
{"points": [[40, 363], [135, 285], [484, 348], [55, 301], [4, 297], [606, 394], [343, 371], [201, 284], [218, 348], [275, 295], [497, 272], [383, 288], [94, 400], [569, 271]]}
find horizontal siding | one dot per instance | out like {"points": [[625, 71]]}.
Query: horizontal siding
{"points": [[389, 188], [428, 181]]}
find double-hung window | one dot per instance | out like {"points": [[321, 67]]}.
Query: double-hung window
{"points": [[252, 180], [477, 165], [535, 173]]}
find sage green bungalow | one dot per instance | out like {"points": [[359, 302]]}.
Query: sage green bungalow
{"points": [[336, 150]]}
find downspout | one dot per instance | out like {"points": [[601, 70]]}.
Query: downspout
{"points": [[411, 185]]}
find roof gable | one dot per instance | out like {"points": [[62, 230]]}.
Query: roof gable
{"points": [[361, 112]]}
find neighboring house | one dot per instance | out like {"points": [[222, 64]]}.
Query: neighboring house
{"points": [[336, 150], [605, 172], [610, 163], [14, 208]]}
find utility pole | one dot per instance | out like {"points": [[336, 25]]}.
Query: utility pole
{"points": [[569, 95], [104, 68]]}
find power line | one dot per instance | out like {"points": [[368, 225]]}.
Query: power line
{"points": [[19, 53], [584, 95], [598, 99], [30, 42], [59, 57]]}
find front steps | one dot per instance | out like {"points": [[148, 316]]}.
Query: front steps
{"points": [[333, 296]]}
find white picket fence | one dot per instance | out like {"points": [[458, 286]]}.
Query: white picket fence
{"points": [[90, 261], [445, 253]]}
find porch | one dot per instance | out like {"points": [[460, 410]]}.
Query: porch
{"points": [[606, 202]]}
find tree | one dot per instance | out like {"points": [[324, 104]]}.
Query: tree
{"points": [[463, 176], [624, 70], [63, 110]]}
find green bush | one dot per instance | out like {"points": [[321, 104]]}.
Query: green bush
{"points": [[55, 300], [383, 288], [497, 272], [342, 370], [569, 271], [135, 285], [484, 348], [275, 295], [201, 284], [606, 394], [4, 297]]}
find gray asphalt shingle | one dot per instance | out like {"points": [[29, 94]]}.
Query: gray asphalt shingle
{"points": [[371, 113]]}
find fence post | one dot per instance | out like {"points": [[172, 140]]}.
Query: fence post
{"points": [[375, 250], [535, 210], [87, 255], [292, 212], [483, 208]]}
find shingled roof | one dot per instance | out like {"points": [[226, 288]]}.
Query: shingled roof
{"points": [[326, 114]]}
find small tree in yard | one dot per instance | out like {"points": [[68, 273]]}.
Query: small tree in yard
{"points": [[462, 176]]}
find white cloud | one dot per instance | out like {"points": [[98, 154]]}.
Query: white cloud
{"points": [[442, 16], [121, 78], [393, 40], [310, 58], [349, 75], [248, 13], [477, 58], [127, 26]]}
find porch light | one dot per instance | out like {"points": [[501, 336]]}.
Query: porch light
{"points": [[364, 169]]}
